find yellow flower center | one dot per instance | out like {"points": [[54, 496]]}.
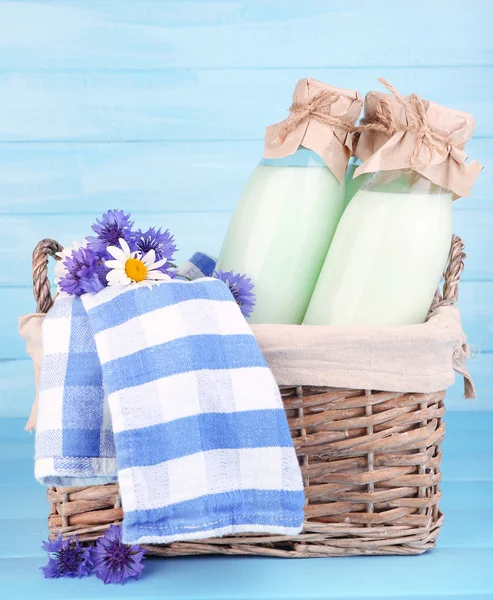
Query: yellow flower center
{"points": [[135, 269]]}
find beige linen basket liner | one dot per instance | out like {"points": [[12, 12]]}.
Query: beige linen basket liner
{"points": [[370, 463]]}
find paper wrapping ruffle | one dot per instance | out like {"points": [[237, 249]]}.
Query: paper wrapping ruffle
{"points": [[333, 144], [412, 358], [380, 152]]}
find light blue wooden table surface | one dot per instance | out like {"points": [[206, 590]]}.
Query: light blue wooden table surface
{"points": [[159, 107]]}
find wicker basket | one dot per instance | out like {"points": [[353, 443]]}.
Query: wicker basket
{"points": [[370, 462]]}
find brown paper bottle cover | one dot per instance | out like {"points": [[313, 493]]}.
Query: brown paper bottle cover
{"points": [[321, 119], [401, 132]]}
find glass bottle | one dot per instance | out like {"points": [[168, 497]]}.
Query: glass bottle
{"points": [[351, 186], [388, 254], [280, 233]]}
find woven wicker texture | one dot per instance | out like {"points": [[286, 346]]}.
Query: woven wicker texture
{"points": [[370, 463]]}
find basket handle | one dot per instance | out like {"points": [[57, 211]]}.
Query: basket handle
{"points": [[449, 294], [41, 281]]}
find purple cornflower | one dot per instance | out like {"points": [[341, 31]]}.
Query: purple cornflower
{"points": [[112, 226], [66, 559], [241, 287], [115, 561], [163, 244], [86, 273]]}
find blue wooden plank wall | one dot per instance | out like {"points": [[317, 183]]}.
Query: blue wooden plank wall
{"points": [[159, 107]]}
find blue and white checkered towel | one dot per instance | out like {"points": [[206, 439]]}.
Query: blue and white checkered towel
{"points": [[74, 435], [202, 443]]}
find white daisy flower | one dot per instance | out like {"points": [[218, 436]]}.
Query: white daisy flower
{"points": [[131, 267]]}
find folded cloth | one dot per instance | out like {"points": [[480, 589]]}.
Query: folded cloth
{"points": [[74, 437], [199, 265], [202, 442], [411, 358]]}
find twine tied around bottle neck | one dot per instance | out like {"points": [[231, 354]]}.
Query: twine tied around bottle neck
{"points": [[318, 109], [384, 121]]}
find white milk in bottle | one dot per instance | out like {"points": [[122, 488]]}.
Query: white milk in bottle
{"points": [[281, 231], [392, 243], [285, 220]]}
